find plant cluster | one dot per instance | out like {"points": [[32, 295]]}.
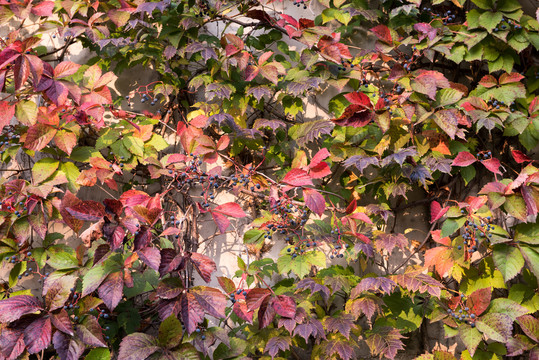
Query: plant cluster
{"points": [[444, 104]]}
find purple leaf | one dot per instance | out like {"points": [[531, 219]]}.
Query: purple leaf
{"points": [[111, 290], [340, 347], [314, 201], [386, 342], [310, 327], [389, 241], [266, 313], [415, 280], [272, 124], [312, 285], [284, 306], [12, 343], [276, 344], [341, 324], [191, 312], [361, 162], [13, 308], [203, 265], [169, 288], [399, 156], [170, 261], [67, 348], [495, 326], [221, 117], [212, 300], [151, 257], [38, 335], [259, 92], [62, 322], [87, 210], [137, 346], [382, 284], [367, 305], [415, 173], [221, 91], [255, 297], [89, 332], [169, 52], [59, 292]]}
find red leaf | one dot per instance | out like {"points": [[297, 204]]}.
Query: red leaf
{"points": [[43, 9], [151, 257], [89, 331], [62, 322], [506, 78], [255, 297], [519, 156], [492, 165], [289, 19], [436, 211], [65, 69], [297, 177], [314, 201], [138, 346], [38, 136], [7, 112], [69, 200], [361, 216], [284, 306], [221, 221], [191, 312], [204, 266], [111, 290], [212, 300], [479, 301], [65, 140], [383, 33], [359, 98], [240, 309], [38, 335], [488, 81], [352, 206], [226, 284], [436, 236], [134, 197], [266, 313], [13, 308], [464, 158], [88, 210], [231, 209]]}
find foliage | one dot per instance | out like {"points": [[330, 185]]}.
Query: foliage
{"points": [[442, 105]]}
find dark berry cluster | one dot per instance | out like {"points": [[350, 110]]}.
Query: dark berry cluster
{"points": [[15, 203], [8, 138], [239, 292], [300, 3], [205, 10], [337, 243], [200, 331], [474, 234], [301, 247], [507, 24], [345, 63], [462, 312]]}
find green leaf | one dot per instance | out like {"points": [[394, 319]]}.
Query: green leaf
{"points": [[95, 276], [473, 18], [134, 145], [17, 270], [515, 206], [490, 20], [170, 332], [84, 153], [446, 97], [26, 112], [532, 258], [508, 307], [98, 354], [467, 173], [62, 257], [107, 137], [119, 149], [508, 260], [71, 172], [451, 225], [497, 327], [253, 236], [484, 4], [527, 233], [301, 264], [471, 337], [44, 168], [158, 142]]}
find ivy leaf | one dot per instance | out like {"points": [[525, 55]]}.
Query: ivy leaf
{"points": [[436, 211], [111, 290], [508, 260], [519, 156], [383, 33], [16, 306], [297, 177], [137, 346], [266, 313], [150, 256], [284, 306], [381, 284], [497, 327], [68, 347], [231, 209], [59, 292], [203, 265], [38, 335], [471, 337], [385, 241], [341, 324], [386, 342], [314, 287], [427, 82], [314, 201], [479, 301], [532, 258], [464, 158], [530, 325], [516, 206], [191, 312], [448, 121], [255, 297], [276, 344], [7, 112], [493, 165], [170, 332], [240, 309], [415, 280], [62, 322], [90, 333], [88, 210], [310, 327], [39, 136], [211, 300]]}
